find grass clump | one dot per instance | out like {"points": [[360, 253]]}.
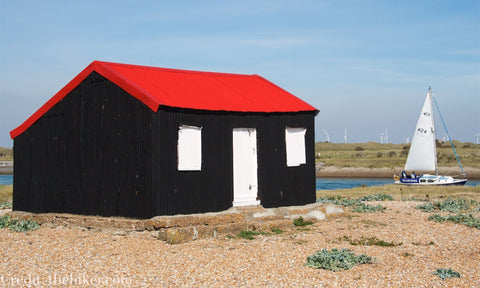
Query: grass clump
{"points": [[446, 273], [372, 241], [300, 222], [371, 223], [423, 244], [248, 234], [467, 220], [18, 225], [337, 260], [277, 231], [6, 193], [362, 208]]}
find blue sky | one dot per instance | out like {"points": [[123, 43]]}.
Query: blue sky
{"points": [[366, 65]]}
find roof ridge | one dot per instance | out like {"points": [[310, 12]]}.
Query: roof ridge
{"points": [[174, 70]]}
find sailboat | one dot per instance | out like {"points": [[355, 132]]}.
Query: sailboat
{"points": [[423, 153]]}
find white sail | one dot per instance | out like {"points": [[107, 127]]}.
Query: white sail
{"points": [[423, 155]]}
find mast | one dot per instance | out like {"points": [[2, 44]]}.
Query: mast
{"points": [[434, 133]]}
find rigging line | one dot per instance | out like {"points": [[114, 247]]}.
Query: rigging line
{"points": [[449, 139]]}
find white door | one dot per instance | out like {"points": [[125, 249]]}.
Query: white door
{"points": [[245, 183]]}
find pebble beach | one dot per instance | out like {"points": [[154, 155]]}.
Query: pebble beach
{"points": [[76, 256]]}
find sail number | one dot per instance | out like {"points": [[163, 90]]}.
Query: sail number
{"points": [[421, 130]]}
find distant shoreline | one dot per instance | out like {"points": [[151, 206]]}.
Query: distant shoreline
{"points": [[6, 167], [364, 172]]}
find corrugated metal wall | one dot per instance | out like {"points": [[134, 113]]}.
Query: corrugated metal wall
{"points": [[100, 151]]}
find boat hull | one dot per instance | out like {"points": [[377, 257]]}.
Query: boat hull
{"points": [[430, 180]]}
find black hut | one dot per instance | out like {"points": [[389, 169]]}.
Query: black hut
{"points": [[136, 141]]}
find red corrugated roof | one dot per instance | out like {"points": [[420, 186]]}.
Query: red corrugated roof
{"points": [[185, 89]]}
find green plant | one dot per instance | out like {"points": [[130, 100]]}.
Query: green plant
{"points": [[423, 244], [455, 205], [5, 205], [300, 242], [376, 197], [300, 222], [446, 273], [4, 220], [353, 202], [425, 207], [372, 241], [468, 220], [437, 218], [338, 201], [358, 205], [23, 225], [362, 208], [248, 234], [337, 260], [372, 223], [277, 231], [449, 205], [16, 225]]}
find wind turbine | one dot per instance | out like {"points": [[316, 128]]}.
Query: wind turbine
{"points": [[408, 139], [345, 137], [382, 138], [328, 136], [478, 135]]}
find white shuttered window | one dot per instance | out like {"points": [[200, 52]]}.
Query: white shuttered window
{"points": [[295, 146], [189, 148]]}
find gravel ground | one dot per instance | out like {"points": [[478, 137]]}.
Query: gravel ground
{"points": [[60, 256]]}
